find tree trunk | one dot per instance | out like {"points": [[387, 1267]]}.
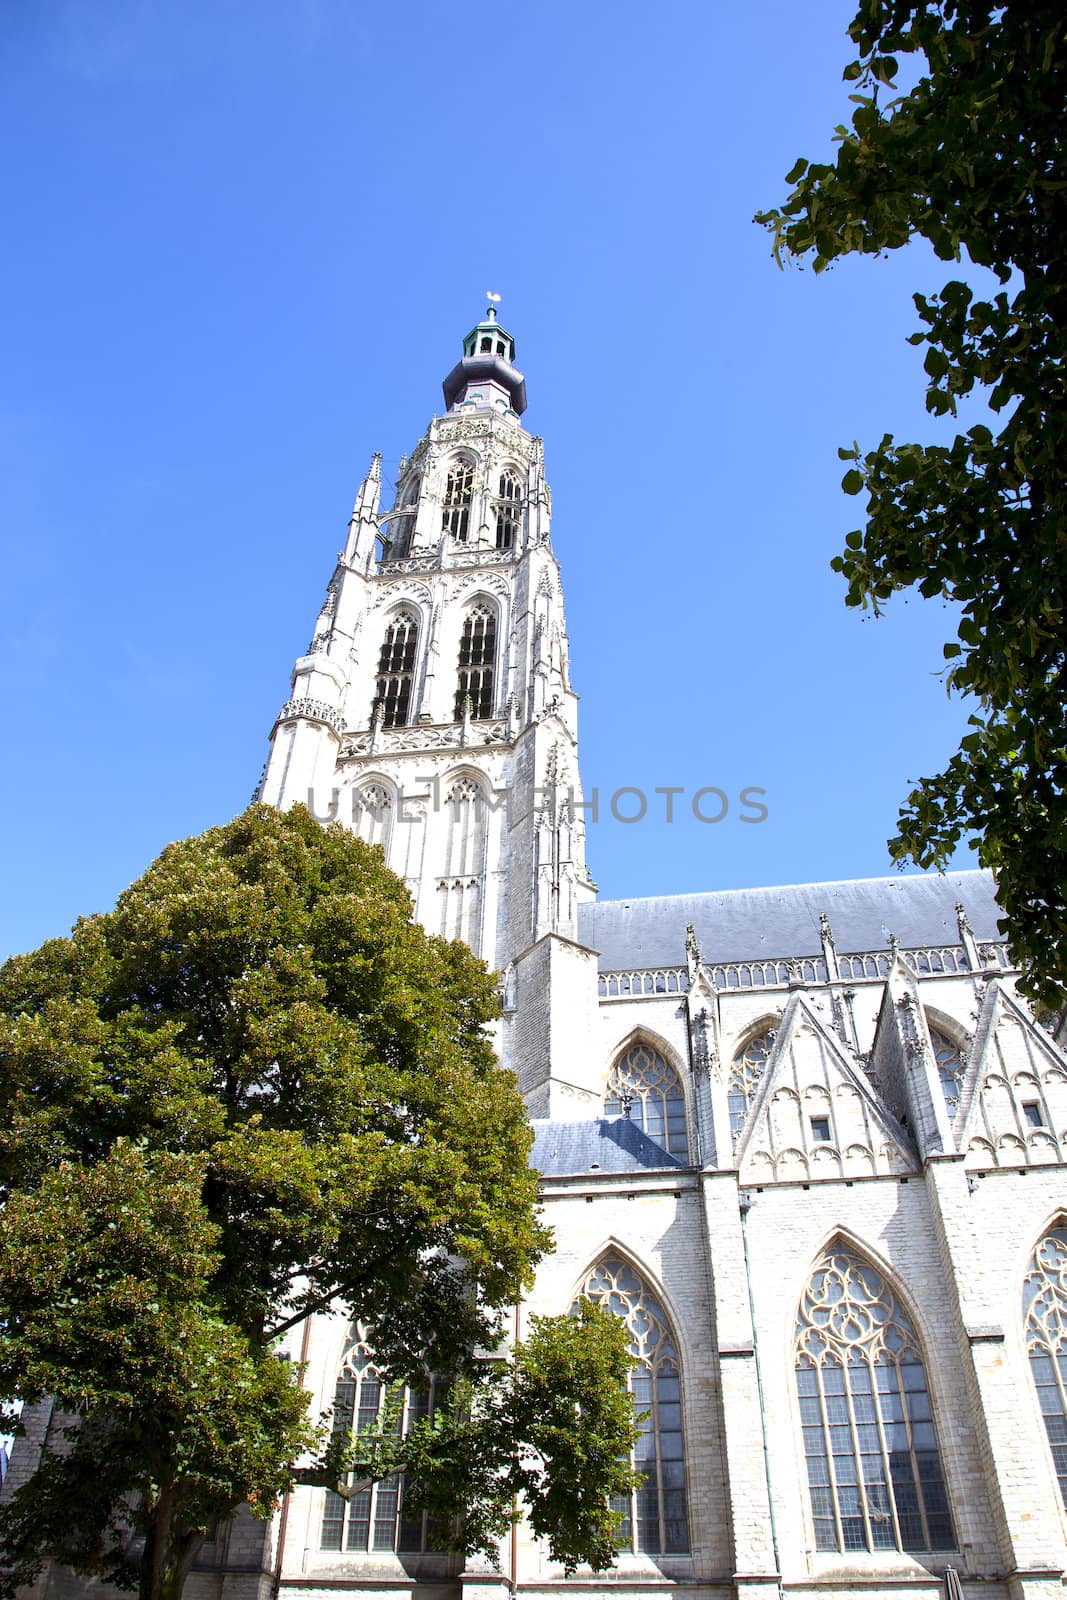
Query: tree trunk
{"points": [[169, 1550]]}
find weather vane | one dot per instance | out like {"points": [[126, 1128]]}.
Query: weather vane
{"points": [[494, 301]]}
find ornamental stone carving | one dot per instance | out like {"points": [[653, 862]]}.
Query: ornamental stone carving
{"points": [[312, 711]]}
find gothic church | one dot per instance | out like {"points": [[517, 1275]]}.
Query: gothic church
{"points": [[818, 1170]]}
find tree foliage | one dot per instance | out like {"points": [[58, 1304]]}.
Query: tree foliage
{"points": [[253, 1091], [972, 159]]}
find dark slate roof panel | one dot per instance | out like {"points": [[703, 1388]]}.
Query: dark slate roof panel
{"points": [[564, 1149], [747, 924]]}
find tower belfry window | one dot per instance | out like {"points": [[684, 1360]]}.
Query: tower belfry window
{"points": [[477, 656], [508, 511], [406, 524], [456, 511], [396, 670]]}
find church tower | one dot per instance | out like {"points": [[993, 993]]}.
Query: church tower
{"points": [[433, 712]]}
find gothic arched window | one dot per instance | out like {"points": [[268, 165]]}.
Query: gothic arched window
{"points": [[396, 669], [647, 1087], [508, 511], [477, 656], [1045, 1312], [950, 1067], [459, 491], [373, 814], [406, 523], [462, 887], [373, 1519], [746, 1070], [874, 1472], [654, 1515]]}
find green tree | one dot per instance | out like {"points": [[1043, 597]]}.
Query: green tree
{"points": [[972, 158], [254, 1091]]}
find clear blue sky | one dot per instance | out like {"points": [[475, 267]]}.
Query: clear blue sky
{"points": [[243, 242]]}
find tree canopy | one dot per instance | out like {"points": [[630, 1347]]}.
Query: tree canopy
{"points": [[256, 1090], [971, 158]]}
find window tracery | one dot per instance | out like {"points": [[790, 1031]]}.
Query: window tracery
{"points": [[950, 1067], [1045, 1325], [874, 1470], [456, 510], [374, 1518], [396, 670], [508, 510], [647, 1088], [477, 658], [374, 814], [654, 1515], [746, 1070]]}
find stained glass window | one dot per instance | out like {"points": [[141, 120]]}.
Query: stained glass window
{"points": [[646, 1086], [746, 1070], [654, 1515], [874, 1471], [396, 670], [1045, 1312], [373, 1519]]}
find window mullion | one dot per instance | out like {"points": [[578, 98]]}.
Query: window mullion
{"points": [[831, 1470], [887, 1468]]}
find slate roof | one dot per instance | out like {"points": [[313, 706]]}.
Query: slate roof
{"points": [[747, 924], [608, 1144]]}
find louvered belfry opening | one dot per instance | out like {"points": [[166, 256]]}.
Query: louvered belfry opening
{"points": [[396, 670], [477, 654]]}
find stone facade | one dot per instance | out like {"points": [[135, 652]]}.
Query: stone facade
{"points": [[759, 1115]]}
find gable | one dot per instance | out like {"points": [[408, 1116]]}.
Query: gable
{"points": [[815, 1114]]}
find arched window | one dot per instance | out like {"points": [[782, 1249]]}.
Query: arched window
{"points": [[462, 887], [746, 1070], [1045, 1312], [456, 511], [874, 1472], [373, 1519], [950, 1067], [405, 525], [396, 669], [372, 814], [508, 511], [646, 1088], [654, 1515], [477, 655]]}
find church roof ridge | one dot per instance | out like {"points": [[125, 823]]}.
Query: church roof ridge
{"points": [[779, 921], [779, 888]]}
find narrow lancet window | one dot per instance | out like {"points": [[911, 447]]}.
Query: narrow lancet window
{"points": [[746, 1070], [477, 657], [456, 511], [508, 511], [874, 1471], [654, 1515], [396, 670], [646, 1087], [374, 1518], [1045, 1313], [405, 524]]}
